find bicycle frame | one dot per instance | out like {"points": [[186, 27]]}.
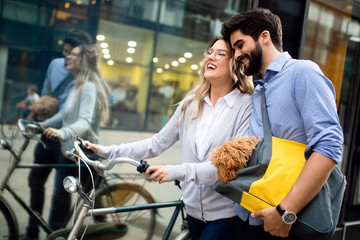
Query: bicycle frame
{"points": [[87, 211], [86, 208]]}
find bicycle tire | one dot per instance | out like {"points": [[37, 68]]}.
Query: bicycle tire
{"points": [[9, 228], [125, 194], [9, 130]]}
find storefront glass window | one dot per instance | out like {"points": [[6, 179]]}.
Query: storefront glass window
{"points": [[333, 41]]}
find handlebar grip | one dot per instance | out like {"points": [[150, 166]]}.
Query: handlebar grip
{"points": [[84, 146], [143, 166]]}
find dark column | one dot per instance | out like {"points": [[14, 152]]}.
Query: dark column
{"points": [[293, 15]]}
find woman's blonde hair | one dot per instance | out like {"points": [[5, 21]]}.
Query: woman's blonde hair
{"points": [[89, 72], [197, 95]]}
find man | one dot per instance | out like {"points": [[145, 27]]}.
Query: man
{"points": [[58, 83], [301, 106]]}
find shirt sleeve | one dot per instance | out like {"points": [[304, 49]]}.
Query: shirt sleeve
{"points": [[315, 98], [147, 148], [87, 111], [55, 121]]}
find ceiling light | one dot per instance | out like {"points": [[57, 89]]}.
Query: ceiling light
{"points": [[105, 51], [182, 60], [100, 37], [104, 45], [110, 62], [188, 55], [174, 63], [354, 39], [107, 56], [131, 50], [129, 59], [167, 66], [132, 44], [159, 70], [155, 59], [194, 67]]}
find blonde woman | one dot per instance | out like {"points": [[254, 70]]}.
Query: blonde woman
{"points": [[85, 108], [217, 109]]}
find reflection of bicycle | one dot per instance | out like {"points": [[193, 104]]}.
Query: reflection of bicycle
{"points": [[111, 193], [9, 129]]}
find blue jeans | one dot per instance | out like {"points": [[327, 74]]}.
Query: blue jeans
{"points": [[61, 199], [221, 229], [244, 231]]}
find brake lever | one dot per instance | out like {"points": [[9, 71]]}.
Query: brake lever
{"points": [[84, 146], [74, 157]]}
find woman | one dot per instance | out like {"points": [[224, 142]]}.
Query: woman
{"points": [[85, 108], [218, 108]]}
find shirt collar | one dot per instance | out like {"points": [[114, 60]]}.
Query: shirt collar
{"points": [[229, 98], [274, 67]]}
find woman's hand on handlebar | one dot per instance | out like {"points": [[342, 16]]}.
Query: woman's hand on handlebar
{"points": [[160, 173], [52, 133], [94, 147]]}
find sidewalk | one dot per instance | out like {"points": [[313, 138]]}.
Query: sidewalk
{"points": [[161, 192]]}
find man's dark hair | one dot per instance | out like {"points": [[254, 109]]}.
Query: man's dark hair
{"points": [[253, 22], [77, 38]]}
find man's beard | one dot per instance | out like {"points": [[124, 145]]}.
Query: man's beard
{"points": [[254, 61]]}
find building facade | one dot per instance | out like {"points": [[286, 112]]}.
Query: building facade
{"points": [[152, 52]]}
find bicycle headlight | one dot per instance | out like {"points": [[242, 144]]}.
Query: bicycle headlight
{"points": [[71, 185]]}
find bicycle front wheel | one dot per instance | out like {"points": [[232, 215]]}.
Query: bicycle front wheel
{"points": [[8, 222], [125, 194]]}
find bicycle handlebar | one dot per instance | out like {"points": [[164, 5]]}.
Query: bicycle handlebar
{"points": [[29, 128], [78, 151]]}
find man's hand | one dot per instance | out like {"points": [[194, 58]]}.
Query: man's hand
{"points": [[273, 223]]}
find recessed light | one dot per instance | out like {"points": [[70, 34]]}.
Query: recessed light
{"points": [[104, 45], [100, 37], [182, 60], [194, 67], [131, 50], [188, 55], [132, 44]]}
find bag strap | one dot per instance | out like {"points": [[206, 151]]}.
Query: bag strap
{"points": [[265, 117]]}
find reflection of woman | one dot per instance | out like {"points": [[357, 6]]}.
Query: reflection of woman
{"points": [[85, 107], [218, 109]]}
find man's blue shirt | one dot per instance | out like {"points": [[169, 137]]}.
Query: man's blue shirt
{"points": [[58, 81], [301, 106]]}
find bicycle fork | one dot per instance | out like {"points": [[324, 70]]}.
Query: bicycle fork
{"points": [[79, 221]]}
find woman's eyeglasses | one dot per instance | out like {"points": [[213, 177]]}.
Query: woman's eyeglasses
{"points": [[218, 54]]}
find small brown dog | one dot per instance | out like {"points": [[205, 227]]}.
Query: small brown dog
{"points": [[43, 108], [232, 156]]}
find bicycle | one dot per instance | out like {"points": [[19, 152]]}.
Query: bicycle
{"points": [[105, 195], [9, 129], [8, 126], [88, 208]]}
